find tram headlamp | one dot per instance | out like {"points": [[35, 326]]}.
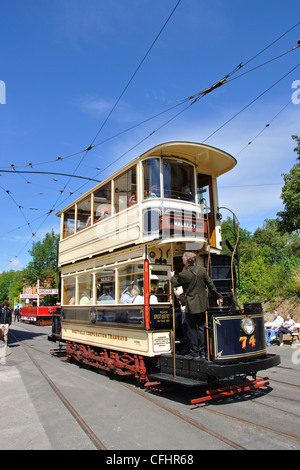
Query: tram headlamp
{"points": [[248, 325]]}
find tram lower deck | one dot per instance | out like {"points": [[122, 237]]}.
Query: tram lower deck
{"points": [[154, 355]]}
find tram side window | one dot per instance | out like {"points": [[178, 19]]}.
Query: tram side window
{"points": [[84, 213], [131, 284], [85, 289], [69, 222], [203, 190], [178, 180], [68, 297], [125, 190], [105, 287], [151, 171], [102, 202]]}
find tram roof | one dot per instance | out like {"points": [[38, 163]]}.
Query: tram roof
{"points": [[209, 160]]}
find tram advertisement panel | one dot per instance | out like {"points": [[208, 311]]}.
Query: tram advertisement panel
{"points": [[231, 340], [161, 317]]}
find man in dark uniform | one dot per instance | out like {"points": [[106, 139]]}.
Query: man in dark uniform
{"points": [[194, 281]]}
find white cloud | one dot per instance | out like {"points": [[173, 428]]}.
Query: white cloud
{"points": [[15, 265]]}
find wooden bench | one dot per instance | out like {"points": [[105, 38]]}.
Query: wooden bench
{"points": [[294, 335]]}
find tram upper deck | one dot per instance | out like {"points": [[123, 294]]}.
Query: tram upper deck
{"points": [[169, 192]]}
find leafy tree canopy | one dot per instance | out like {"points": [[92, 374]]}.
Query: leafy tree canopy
{"points": [[44, 262], [289, 218]]}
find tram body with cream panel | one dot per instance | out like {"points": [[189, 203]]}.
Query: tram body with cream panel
{"points": [[119, 243]]}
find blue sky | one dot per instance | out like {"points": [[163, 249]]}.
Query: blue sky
{"points": [[64, 64]]}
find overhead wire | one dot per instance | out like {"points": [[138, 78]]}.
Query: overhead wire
{"points": [[266, 126], [110, 113], [226, 79], [116, 103], [251, 102], [8, 192], [137, 69], [195, 98], [203, 93]]}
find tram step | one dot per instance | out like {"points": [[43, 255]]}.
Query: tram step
{"points": [[162, 377]]}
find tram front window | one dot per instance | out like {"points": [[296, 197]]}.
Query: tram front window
{"points": [[178, 180]]}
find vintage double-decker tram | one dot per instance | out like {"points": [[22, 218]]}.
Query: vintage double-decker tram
{"points": [[119, 243]]}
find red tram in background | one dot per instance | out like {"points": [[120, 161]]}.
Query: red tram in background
{"points": [[38, 315]]}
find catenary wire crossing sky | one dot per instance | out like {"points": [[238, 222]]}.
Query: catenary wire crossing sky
{"points": [[88, 86]]}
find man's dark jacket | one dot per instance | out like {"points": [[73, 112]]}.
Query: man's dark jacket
{"points": [[5, 316], [196, 299]]}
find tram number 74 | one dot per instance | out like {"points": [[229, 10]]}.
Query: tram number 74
{"points": [[243, 340]]}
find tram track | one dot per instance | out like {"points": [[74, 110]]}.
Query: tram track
{"points": [[98, 444], [247, 422], [84, 426], [217, 413], [191, 421], [186, 419]]}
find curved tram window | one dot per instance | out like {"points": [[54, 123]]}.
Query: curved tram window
{"points": [[151, 170], [179, 182]]}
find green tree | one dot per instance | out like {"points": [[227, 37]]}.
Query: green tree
{"points": [[272, 243], [289, 218], [44, 261], [229, 233], [11, 285], [269, 263]]}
